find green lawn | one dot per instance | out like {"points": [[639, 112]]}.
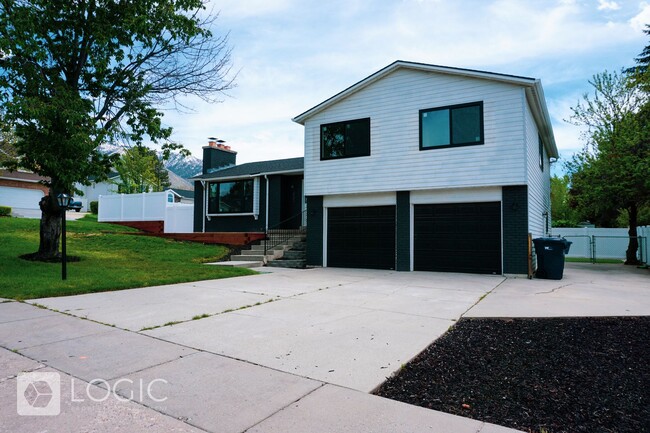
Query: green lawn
{"points": [[588, 260], [110, 259]]}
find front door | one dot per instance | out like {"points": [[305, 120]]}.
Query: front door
{"points": [[291, 202]]}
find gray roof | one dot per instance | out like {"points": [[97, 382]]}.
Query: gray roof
{"points": [[255, 168], [183, 193]]}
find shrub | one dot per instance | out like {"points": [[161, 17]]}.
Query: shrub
{"points": [[5, 211], [94, 206]]}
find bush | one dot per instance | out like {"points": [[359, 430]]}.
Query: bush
{"points": [[5, 211], [94, 206]]}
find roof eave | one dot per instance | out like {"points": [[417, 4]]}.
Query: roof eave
{"points": [[537, 102], [250, 175]]}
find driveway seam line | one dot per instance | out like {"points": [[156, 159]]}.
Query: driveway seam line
{"points": [[286, 406], [483, 297]]}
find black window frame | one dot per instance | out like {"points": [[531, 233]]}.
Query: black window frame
{"points": [[323, 157], [450, 108], [541, 153], [217, 199]]}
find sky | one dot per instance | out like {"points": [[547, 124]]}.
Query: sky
{"points": [[290, 55]]}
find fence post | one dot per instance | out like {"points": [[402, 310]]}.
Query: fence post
{"points": [[592, 241]]}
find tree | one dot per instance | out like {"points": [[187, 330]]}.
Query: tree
{"points": [[8, 139], [611, 172], [563, 215], [141, 170], [74, 74]]}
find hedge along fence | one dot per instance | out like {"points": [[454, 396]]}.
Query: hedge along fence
{"points": [[94, 206], [5, 211]]}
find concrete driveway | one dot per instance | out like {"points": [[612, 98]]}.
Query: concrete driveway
{"points": [[287, 351]]}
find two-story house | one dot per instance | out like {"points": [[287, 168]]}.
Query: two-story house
{"points": [[428, 168]]}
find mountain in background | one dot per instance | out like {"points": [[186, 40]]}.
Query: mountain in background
{"points": [[182, 166]]}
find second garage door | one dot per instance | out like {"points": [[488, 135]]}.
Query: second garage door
{"points": [[22, 198], [361, 237], [459, 237]]}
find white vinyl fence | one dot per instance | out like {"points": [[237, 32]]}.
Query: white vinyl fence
{"points": [[603, 243], [153, 206]]}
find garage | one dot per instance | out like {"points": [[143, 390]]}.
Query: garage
{"points": [[458, 237], [20, 198], [361, 237]]}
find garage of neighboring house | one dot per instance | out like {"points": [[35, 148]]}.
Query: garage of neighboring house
{"points": [[21, 190], [457, 237], [20, 197], [361, 237]]}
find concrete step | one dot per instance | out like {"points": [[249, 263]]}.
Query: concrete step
{"points": [[296, 264], [299, 246], [261, 248], [251, 258], [294, 255]]}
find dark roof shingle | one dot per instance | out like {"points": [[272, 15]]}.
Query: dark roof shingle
{"points": [[253, 168]]}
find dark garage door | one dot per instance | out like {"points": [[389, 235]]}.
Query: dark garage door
{"points": [[459, 237], [361, 237]]}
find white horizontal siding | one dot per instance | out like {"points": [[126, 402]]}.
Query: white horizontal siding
{"points": [[538, 181], [396, 163]]}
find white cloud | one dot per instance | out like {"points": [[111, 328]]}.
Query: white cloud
{"points": [[639, 21], [293, 55], [604, 5]]}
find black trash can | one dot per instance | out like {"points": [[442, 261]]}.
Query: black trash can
{"points": [[550, 257]]}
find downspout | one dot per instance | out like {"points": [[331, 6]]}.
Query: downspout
{"points": [[266, 204]]}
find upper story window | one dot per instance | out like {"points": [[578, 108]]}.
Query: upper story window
{"points": [[456, 125], [541, 153], [231, 197], [345, 139]]}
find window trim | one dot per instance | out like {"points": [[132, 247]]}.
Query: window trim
{"points": [[221, 214], [478, 104], [328, 158]]}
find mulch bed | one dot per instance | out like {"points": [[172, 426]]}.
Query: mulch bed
{"points": [[536, 375]]}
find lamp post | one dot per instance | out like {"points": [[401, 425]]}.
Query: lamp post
{"points": [[64, 201]]}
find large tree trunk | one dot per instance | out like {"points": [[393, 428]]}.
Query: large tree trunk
{"points": [[50, 230], [633, 246]]}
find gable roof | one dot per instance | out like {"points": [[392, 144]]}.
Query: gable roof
{"points": [[533, 87], [277, 166]]}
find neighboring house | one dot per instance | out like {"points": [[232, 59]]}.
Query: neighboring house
{"points": [[251, 197], [428, 168], [94, 190], [182, 195], [21, 189], [182, 188]]}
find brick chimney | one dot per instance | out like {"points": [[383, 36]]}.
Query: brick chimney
{"points": [[216, 155]]}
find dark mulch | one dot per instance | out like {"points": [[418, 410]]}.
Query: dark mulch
{"points": [[538, 375]]}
